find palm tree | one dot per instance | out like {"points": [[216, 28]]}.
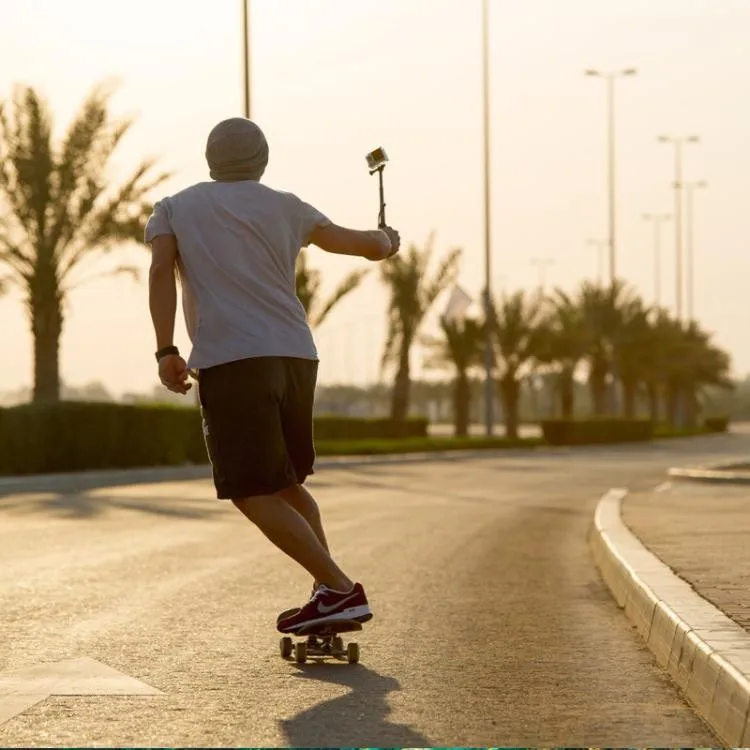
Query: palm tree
{"points": [[308, 289], [632, 349], [460, 347], [694, 364], [601, 307], [412, 294], [518, 332], [58, 211], [564, 343]]}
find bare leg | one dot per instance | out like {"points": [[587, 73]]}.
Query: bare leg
{"points": [[304, 503], [291, 533]]}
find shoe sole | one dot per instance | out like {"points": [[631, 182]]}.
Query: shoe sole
{"points": [[358, 614]]}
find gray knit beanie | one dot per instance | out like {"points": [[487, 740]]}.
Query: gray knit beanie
{"points": [[236, 150]]}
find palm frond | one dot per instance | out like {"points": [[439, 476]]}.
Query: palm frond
{"points": [[347, 285]]}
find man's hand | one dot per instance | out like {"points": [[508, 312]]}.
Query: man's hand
{"points": [[173, 373], [395, 239]]}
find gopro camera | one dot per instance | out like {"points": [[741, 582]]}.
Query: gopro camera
{"points": [[377, 159]]}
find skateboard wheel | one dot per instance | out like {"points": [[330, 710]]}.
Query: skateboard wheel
{"points": [[286, 647], [352, 653], [300, 653], [338, 643]]}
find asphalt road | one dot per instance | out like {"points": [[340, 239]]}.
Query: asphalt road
{"points": [[491, 625]]}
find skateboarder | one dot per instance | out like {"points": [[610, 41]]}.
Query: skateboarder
{"points": [[233, 243]]}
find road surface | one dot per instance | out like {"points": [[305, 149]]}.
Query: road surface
{"points": [[491, 628]]}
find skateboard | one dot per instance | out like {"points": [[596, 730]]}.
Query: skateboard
{"points": [[321, 641]]}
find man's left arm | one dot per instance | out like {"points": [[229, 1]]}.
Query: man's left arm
{"points": [[163, 305]]}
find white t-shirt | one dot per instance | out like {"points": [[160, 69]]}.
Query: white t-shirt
{"points": [[238, 244]]}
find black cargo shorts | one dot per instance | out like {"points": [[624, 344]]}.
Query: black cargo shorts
{"points": [[258, 424]]}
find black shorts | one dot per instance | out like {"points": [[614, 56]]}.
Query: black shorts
{"points": [[258, 424]]}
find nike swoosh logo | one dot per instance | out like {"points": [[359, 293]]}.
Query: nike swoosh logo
{"points": [[324, 610]]}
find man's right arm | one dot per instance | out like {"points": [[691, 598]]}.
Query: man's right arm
{"points": [[374, 244]]}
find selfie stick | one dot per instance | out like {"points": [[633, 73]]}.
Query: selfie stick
{"points": [[377, 160]]}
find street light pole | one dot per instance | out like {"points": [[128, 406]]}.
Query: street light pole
{"points": [[690, 187], [600, 246], [246, 54], [609, 77], [488, 354], [678, 142], [657, 220], [541, 264]]}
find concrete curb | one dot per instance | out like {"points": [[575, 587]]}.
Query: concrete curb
{"points": [[705, 652], [727, 473]]}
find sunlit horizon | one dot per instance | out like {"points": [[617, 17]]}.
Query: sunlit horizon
{"points": [[333, 80]]}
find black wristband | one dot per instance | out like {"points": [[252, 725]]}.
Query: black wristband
{"points": [[164, 351]]}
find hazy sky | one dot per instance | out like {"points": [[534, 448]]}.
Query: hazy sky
{"points": [[333, 79]]}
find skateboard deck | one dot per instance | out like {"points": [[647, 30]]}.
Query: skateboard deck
{"points": [[322, 640]]}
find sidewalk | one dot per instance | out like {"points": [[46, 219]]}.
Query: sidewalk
{"points": [[702, 532], [677, 560]]}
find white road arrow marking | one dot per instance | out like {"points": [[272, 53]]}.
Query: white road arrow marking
{"points": [[85, 676]]}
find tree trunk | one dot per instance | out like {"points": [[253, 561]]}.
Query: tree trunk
{"points": [[692, 407], [46, 326], [401, 387], [461, 405], [653, 402], [567, 393], [629, 393], [510, 391], [598, 387], [671, 400]]}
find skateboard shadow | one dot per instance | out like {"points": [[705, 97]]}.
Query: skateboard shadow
{"points": [[357, 719]]}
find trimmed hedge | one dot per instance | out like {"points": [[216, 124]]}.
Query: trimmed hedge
{"points": [[716, 424], [80, 436], [596, 431], [328, 427]]}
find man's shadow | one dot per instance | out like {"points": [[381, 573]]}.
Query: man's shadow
{"points": [[357, 719]]}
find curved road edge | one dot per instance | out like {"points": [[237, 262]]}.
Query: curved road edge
{"points": [[728, 473], [705, 652]]}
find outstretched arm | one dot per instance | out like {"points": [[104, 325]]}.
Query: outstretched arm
{"points": [[376, 244]]}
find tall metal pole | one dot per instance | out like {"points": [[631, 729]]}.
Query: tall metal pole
{"points": [[678, 226], [600, 246], [488, 380], [611, 164], [657, 220], [541, 264], [246, 54], [678, 143], [611, 173], [690, 245]]}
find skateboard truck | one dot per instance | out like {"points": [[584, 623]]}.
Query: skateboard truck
{"points": [[322, 641], [376, 161]]}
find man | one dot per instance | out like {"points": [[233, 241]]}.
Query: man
{"points": [[234, 244]]}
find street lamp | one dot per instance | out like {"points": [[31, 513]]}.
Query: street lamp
{"points": [[678, 142], [600, 246], [689, 249], [541, 264], [488, 353], [610, 77], [246, 54], [657, 220]]}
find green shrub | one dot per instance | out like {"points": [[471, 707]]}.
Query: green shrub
{"points": [[716, 424], [329, 427], [80, 436], [596, 431]]}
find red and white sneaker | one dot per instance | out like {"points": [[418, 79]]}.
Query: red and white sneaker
{"points": [[327, 605]]}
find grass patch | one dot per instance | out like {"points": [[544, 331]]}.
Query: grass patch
{"points": [[419, 445], [665, 431]]}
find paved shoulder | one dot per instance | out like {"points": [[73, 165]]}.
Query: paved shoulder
{"points": [[674, 559]]}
